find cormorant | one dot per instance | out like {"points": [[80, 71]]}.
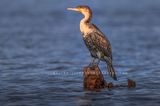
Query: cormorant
{"points": [[98, 45]]}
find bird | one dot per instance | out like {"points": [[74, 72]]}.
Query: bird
{"points": [[95, 40]]}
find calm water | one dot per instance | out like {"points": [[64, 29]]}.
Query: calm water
{"points": [[42, 53]]}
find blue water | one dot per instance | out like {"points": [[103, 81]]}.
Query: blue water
{"points": [[42, 53]]}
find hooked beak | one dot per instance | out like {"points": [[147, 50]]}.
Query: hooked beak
{"points": [[73, 9]]}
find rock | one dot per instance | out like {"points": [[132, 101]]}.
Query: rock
{"points": [[131, 83], [110, 85], [93, 78]]}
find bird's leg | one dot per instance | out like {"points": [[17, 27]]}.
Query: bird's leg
{"points": [[92, 62], [98, 61]]}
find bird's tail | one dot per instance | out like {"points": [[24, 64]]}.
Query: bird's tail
{"points": [[111, 71]]}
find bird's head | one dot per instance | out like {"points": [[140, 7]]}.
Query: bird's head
{"points": [[85, 10]]}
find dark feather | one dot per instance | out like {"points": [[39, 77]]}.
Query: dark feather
{"points": [[97, 42]]}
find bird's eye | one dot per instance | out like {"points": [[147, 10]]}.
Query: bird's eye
{"points": [[79, 7]]}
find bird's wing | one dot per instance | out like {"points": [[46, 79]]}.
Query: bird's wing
{"points": [[97, 29], [102, 43]]}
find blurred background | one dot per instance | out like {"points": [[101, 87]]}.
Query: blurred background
{"points": [[42, 53]]}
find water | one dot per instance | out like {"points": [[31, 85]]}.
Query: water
{"points": [[42, 53]]}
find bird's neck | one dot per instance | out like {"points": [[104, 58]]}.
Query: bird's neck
{"points": [[87, 17], [84, 23]]}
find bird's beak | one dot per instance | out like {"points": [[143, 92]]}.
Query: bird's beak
{"points": [[73, 9]]}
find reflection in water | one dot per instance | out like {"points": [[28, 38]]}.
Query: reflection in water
{"points": [[101, 97], [33, 47]]}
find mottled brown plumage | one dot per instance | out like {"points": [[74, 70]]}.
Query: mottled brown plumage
{"points": [[98, 45]]}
